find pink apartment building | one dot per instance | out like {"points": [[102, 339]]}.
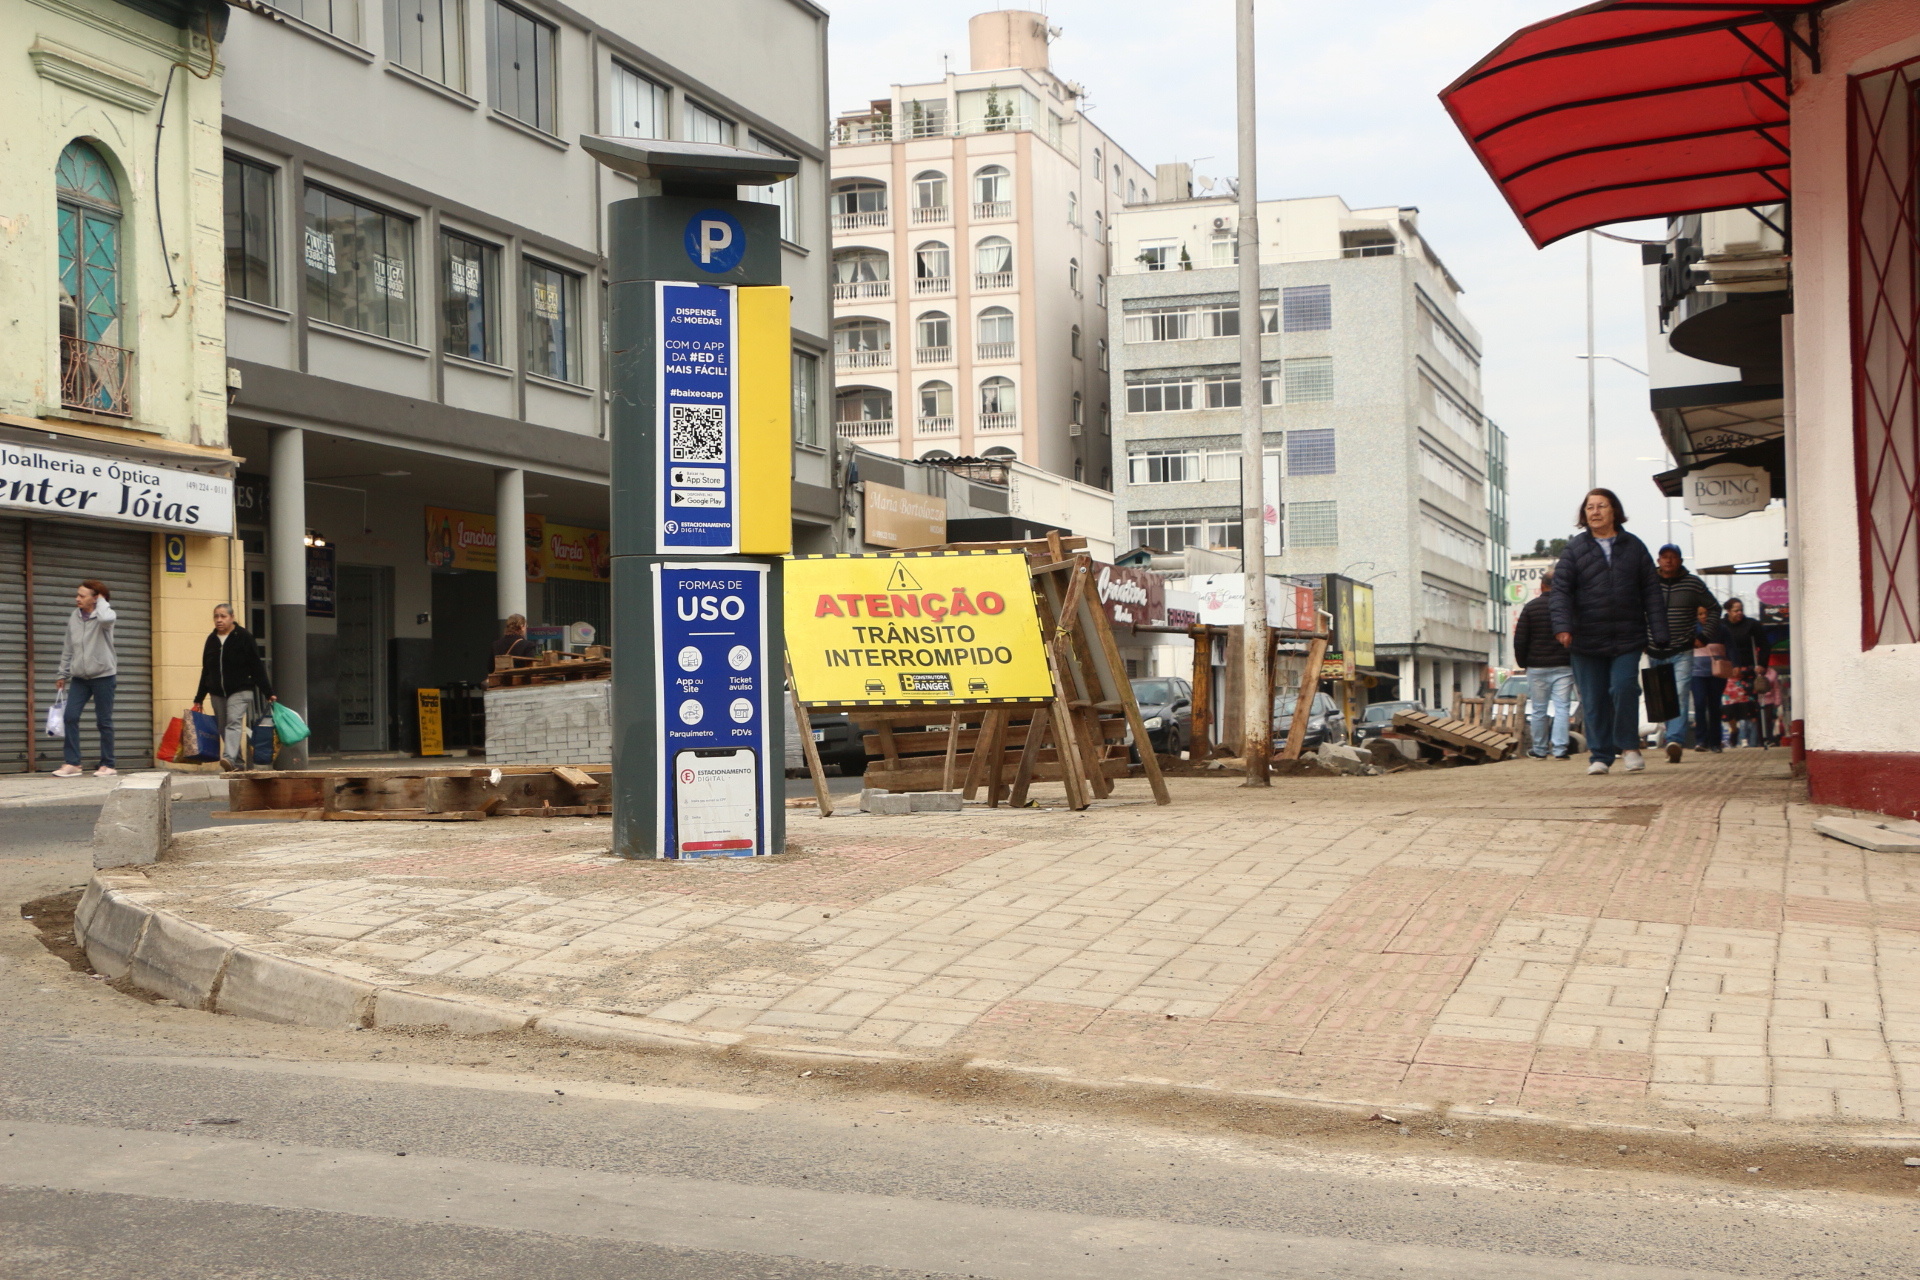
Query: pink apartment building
{"points": [[971, 250]]}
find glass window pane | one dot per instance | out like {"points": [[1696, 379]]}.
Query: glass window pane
{"points": [[552, 322], [639, 105]]}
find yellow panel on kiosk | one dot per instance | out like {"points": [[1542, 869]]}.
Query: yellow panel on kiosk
{"points": [[763, 350]]}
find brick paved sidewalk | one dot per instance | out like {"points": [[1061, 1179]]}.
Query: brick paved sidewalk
{"points": [[1518, 935]]}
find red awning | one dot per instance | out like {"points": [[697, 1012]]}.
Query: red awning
{"points": [[1636, 109]]}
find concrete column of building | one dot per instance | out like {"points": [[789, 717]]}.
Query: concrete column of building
{"points": [[510, 519], [287, 561]]}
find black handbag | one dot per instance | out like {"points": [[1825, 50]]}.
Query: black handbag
{"points": [[1663, 698]]}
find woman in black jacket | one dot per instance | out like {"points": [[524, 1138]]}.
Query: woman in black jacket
{"points": [[1606, 603], [232, 673]]}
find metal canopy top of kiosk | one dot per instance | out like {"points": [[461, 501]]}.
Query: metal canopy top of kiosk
{"points": [[705, 164]]}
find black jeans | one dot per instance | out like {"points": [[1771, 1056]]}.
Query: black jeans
{"points": [[1706, 712]]}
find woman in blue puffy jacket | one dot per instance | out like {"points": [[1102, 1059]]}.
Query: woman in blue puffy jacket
{"points": [[1606, 604]]}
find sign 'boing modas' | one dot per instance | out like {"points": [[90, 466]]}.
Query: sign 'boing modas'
{"points": [[932, 628]]}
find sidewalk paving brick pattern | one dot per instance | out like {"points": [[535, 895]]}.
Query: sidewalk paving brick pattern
{"points": [[1512, 934]]}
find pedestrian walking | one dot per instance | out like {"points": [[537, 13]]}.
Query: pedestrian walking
{"points": [[1746, 638], [1769, 687], [1607, 605], [234, 676], [1709, 681], [1685, 594], [89, 670], [1740, 710], [1549, 676], [513, 641]]}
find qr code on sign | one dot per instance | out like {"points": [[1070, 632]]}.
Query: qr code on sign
{"points": [[697, 433]]}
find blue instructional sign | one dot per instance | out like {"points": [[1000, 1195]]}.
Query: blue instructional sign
{"points": [[715, 241], [711, 690], [698, 426]]}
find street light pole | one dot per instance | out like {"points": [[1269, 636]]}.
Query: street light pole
{"points": [[1593, 418], [1257, 650]]}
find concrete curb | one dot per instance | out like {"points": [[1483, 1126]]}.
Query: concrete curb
{"points": [[63, 794], [234, 973]]}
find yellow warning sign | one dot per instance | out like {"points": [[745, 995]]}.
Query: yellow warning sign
{"points": [[937, 628]]}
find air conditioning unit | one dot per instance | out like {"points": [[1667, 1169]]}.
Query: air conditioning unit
{"points": [[1074, 429], [1219, 224]]}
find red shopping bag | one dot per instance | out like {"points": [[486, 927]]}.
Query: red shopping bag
{"points": [[170, 741]]}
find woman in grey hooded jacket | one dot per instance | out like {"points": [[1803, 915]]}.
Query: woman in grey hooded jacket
{"points": [[88, 671]]}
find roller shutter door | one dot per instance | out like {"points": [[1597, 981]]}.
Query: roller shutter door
{"points": [[61, 554]]}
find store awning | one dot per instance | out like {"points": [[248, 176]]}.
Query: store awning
{"points": [[1632, 109]]}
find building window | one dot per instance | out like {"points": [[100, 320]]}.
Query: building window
{"points": [[1100, 290], [1099, 227], [1163, 324], [859, 202], [806, 398], [249, 230], [925, 117], [1164, 467], [996, 334], [1444, 540], [1226, 249], [1310, 453], [1073, 275], [783, 195], [1100, 353], [520, 65], [553, 322], [639, 105], [930, 196], [1313, 524], [1170, 537], [359, 262], [860, 335], [1307, 307], [863, 404], [993, 192], [853, 268], [94, 367], [1073, 209], [1161, 395], [933, 334], [1078, 409], [1106, 419], [993, 263], [1158, 255], [932, 268], [1309, 379], [1451, 480], [997, 402], [1073, 342], [341, 17], [701, 125], [1096, 165], [936, 405], [426, 36], [470, 273]]}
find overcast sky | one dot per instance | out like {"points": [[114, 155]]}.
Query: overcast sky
{"points": [[1348, 107]]}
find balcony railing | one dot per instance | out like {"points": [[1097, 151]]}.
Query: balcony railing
{"points": [[852, 132], [93, 377], [933, 355], [999, 422], [862, 289], [935, 425], [993, 279], [864, 429], [926, 215], [882, 359], [854, 221], [992, 209], [932, 284], [995, 351]]}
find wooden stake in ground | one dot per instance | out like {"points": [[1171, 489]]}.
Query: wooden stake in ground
{"points": [[953, 748], [1303, 705], [1200, 735], [807, 749]]}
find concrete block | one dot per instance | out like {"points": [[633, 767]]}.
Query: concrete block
{"points": [[886, 803], [307, 992], [934, 801], [614, 1029], [113, 932], [135, 823], [462, 1015], [180, 960], [1343, 759], [1879, 837]]}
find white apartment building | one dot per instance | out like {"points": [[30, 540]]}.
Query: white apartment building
{"points": [[972, 244], [1374, 426]]}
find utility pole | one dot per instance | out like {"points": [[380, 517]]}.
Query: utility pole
{"points": [[1593, 418], [1257, 715]]}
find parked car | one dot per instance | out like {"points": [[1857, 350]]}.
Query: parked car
{"points": [[1166, 705], [1324, 721], [1378, 718], [840, 742]]}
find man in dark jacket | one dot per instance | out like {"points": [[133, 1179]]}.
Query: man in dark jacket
{"points": [[232, 673], [1549, 675], [1606, 601], [1684, 594]]}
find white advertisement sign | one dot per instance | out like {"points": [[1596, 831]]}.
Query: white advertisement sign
{"points": [[1222, 600], [1727, 489], [51, 482]]}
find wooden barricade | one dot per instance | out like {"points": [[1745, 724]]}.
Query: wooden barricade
{"points": [[407, 794]]}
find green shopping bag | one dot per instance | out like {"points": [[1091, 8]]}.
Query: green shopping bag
{"points": [[288, 724]]}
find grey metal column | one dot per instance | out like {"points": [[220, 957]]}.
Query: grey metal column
{"points": [[510, 556], [287, 558]]}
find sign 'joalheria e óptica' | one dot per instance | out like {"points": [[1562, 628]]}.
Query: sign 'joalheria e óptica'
{"points": [[933, 628]]}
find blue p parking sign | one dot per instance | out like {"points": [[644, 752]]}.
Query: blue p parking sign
{"points": [[715, 241]]}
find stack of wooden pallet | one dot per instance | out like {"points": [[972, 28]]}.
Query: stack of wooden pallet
{"points": [[421, 794], [1455, 737], [594, 663]]}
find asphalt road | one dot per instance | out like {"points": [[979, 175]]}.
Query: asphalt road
{"points": [[368, 1155]]}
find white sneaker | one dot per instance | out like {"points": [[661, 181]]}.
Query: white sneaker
{"points": [[1598, 766], [1634, 761]]}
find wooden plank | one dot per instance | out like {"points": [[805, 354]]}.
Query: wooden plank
{"points": [[1200, 739], [996, 754], [268, 815], [977, 763], [556, 811], [1029, 758], [1116, 667], [402, 815], [580, 779], [1303, 703], [953, 746], [808, 749]]}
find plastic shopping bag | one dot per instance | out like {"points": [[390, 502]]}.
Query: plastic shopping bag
{"points": [[288, 724], [199, 738], [263, 743], [170, 741], [57, 718]]}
